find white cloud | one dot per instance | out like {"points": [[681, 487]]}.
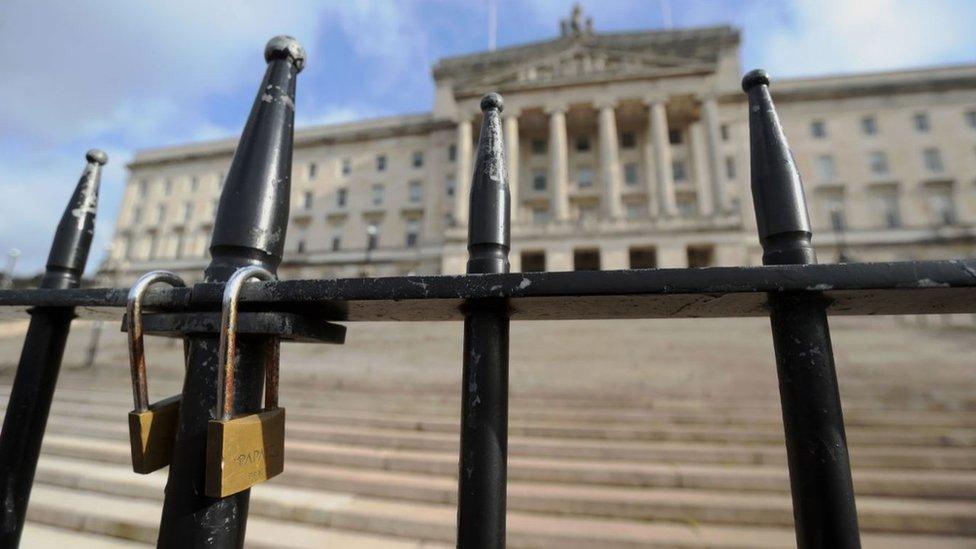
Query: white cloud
{"points": [[831, 36]]}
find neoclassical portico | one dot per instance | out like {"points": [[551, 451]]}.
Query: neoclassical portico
{"points": [[648, 122]]}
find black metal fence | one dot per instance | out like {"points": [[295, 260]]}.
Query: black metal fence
{"points": [[249, 231]]}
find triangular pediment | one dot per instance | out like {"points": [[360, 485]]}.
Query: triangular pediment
{"points": [[580, 63]]}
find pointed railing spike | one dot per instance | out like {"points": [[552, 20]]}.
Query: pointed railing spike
{"points": [[252, 217], [488, 224], [40, 359], [72, 240], [777, 191]]}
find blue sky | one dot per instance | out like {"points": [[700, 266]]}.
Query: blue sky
{"points": [[124, 75]]}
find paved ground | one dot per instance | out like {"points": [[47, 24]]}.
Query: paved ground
{"points": [[623, 434]]}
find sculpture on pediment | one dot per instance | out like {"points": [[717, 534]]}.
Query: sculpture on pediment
{"points": [[576, 26]]}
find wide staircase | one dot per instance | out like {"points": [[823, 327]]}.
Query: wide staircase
{"points": [[377, 468]]}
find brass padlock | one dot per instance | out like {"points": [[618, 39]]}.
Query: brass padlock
{"points": [[152, 427], [247, 449]]}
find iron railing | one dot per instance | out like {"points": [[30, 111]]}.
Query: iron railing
{"points": [[249, 229]]}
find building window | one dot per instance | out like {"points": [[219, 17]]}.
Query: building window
{"points": [[826, 169], [160, 213], [587, 259], [187, 211], [451, 186], [921, 120], [300, 248], [643, 258], [221, 177], [418, 159], [307, 198], [378, 190], [539, 180], [941, 203], [584, 177], [168, 186], [346, 166], [631, 175], [886, 201], [336, 241], [701, 256], [635, 210], [412, 232], [451, 152], [730, 167], [313, 170], [583, 144], [153, 245], [143, 188], [628, 140], [834, 207], [342, 196], [540, 215], [372, 236], [678, 170], [869, 125], [194, 183], [381, 162], [878, 161], [533, 261], [687, 204], [971, 119], [933, 160], [676, 137], [415, 191], [724, 132], [538, 146], [137, 215], [818, 129]]}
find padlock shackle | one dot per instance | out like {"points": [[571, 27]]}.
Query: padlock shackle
{"points": [[137, 349], [224, 408]]}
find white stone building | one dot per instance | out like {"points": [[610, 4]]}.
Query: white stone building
{"points": [[624, 150]]}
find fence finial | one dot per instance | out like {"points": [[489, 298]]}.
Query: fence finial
{"points": [[252, 217], [488, 223], [72, 240], [777, 191]]}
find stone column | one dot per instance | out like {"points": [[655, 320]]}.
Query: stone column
{"points": [[559, 158], [657, 135], [463, 175], [713, 135], [512, 159], [700, 170], [609, 161]]}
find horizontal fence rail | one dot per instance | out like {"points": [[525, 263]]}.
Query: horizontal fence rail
{"points": [[916, 287]]}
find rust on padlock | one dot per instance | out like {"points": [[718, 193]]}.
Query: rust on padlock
{"points": [[152, 427], [250, 448]]}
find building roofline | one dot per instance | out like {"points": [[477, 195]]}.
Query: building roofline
{"points": [[450, 64], [396, 125], [854, 84]]}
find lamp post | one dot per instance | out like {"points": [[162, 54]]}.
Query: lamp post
{"points": [[8, 277], [371, 232]]}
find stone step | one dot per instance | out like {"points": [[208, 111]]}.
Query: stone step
{"points": [[41, 536], [885, 515], [115, 489], [926, 437], [896, 483], [532, 409], [667, 452], [136, 520]]}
